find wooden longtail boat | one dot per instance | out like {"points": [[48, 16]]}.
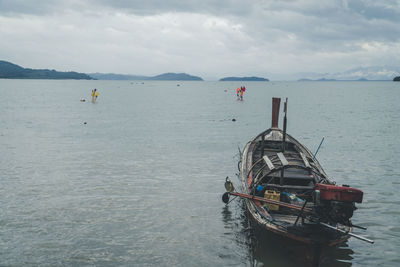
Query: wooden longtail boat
{"points": [[287, 192]]}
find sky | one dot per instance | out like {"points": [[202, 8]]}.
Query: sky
{"points": [[208, 38]]}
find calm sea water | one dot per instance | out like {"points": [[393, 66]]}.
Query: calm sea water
{"points": [[140, 183]]}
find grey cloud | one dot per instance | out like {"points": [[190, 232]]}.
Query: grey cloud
{"points": [[376, 10], [232, 33], [149, 7], [13, 7], [137, 7], [321, 26], [382, 9]]}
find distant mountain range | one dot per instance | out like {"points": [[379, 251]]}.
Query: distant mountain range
{"points": [[375, 73], [162, 77], [396, 79], [255, 79], [9, 70], [331, 80]]}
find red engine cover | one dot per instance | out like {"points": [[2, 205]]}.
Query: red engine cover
{"points": [[339, 193]]}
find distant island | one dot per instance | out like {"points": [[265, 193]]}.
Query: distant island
{"points": [[396, 79], [9, 70], [175, 77], [162, 77], [332, 80], [247, 79]]}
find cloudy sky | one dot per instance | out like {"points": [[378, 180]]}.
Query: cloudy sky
{"points": [[208, 38]]}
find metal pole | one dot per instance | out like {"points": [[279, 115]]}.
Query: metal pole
{"points": [[318, 147], [348, 233]]}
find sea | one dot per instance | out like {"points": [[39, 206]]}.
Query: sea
{"points": [[136, 178]]}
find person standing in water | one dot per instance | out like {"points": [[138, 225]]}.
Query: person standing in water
{"points": [[95, 94]]}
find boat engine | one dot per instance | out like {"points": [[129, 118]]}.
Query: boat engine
{"points": [[336, 203]]}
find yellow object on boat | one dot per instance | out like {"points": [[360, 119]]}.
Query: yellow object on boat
{"points": [[270, 194]]}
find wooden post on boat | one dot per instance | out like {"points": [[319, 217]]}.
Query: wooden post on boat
{"points": [[276, 103]]}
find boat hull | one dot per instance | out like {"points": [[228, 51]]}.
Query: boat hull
{"points": [[285, 226]]}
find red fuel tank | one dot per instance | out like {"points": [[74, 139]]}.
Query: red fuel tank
{"points": [[339, 193]]}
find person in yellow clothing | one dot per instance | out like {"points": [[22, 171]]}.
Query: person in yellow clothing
{"points": [[95, 94]]}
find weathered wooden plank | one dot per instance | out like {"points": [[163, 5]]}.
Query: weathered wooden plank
{"points": [[276, 102], [305, 160], [282, 158], [268, 162]]}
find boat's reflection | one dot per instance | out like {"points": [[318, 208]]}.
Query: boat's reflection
{"points": [[268, 249]]}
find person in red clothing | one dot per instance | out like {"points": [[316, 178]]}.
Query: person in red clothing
{"points": [[238, 92]]}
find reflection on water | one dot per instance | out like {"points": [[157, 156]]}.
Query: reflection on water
{"points": [[338, 256], [268, 249]]}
